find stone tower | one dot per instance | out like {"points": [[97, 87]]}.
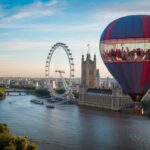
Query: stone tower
{"points": [[97, 79], [88, 72]]}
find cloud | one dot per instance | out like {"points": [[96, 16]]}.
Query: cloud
{"points": [[23, 45], [98, 16], [45, 45], [53, 28], [35, 10], [6, 58], [112, 11]]}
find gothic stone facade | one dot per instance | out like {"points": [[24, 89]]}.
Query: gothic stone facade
{"points": [[114, 101], [88, 72]]}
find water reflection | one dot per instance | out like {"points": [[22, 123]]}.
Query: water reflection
{"points": [[73, 127]]}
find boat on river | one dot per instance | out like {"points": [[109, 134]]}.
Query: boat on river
{"points": [[36, 101], [50, 106]]}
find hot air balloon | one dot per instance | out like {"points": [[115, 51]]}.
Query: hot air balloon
{"points": [[125, 50]]}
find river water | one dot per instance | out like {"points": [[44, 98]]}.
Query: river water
{"points": [[70, 127]]}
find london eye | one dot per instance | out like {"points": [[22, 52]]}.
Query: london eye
{"points": [[66, 84]]}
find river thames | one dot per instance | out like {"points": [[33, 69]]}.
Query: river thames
{"points": [[70, 127]]}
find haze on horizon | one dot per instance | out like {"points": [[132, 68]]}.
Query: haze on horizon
{"points": [[29, 28]]}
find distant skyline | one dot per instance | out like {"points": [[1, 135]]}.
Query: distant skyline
{"points": [[29, 28]]}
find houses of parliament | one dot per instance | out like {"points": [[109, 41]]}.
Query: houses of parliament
{"points": [[91, 94]]}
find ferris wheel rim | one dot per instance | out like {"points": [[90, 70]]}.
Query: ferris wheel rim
{"points": [[70, 58], [71, 64]]}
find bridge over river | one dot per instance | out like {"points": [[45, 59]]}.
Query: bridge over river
{"points": [[19, 91]]}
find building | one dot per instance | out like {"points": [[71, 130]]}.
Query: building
{"points": [[88, 72], [112, 99], [97, 79], [108, 82], [90, 94]]}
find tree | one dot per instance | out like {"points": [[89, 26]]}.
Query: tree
{"points": [[42, 92], [9, 142], [2, 93]]}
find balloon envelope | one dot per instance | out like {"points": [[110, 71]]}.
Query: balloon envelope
{"points": [[125, 50]]}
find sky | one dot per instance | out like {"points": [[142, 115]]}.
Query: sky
{"points": [[29, 28]]}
